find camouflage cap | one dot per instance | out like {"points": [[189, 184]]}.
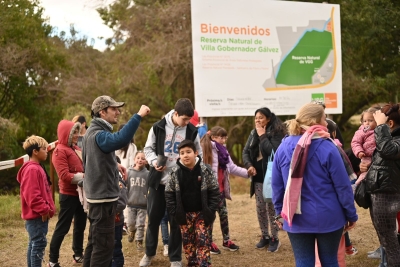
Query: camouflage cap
{"points": [[103, 102]]}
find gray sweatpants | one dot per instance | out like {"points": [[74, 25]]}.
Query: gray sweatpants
{"points": [[136, 220]]}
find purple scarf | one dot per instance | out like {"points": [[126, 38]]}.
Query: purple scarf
{"points": [[223, 156]]}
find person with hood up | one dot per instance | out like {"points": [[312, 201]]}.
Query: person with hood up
{"points": [[162, 143], [67, 160]]}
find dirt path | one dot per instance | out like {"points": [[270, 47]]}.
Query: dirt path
{"points": [[244, 232]]}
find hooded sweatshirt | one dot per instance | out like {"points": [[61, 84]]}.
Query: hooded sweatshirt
{"points": [[67, 158], [35, 192], [174, 135], [137, 188]]}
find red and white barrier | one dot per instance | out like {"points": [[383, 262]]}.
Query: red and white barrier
{"points": [[21, 160]]}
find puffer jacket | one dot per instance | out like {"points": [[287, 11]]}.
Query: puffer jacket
{"points": [[384, 173], [209, 194], [67, 158], [363, 142], [251, 150]]}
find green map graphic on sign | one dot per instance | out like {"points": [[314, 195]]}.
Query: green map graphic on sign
{"points": [[308, 57]]}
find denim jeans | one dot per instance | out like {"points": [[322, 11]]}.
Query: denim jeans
{"points": [[37, 231], [70, 208], [303, 245], [118, 256], [100, 246], [164, 228]]}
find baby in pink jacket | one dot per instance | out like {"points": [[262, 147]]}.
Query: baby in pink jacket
{"points": [[363, 142]]}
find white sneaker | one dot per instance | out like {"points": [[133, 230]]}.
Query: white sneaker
{"points": [[176, 264], [145, 261], [165, 253]]}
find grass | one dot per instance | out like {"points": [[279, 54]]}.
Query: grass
{"points": [[244, 231]]}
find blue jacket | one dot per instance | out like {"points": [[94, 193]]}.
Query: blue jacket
{"points": [[327, 200]]}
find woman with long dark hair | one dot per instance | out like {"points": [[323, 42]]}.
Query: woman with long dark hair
{"points": [[265, 138], [383, 180]]}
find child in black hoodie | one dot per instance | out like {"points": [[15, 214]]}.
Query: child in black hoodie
{"points": [[192, 197]]}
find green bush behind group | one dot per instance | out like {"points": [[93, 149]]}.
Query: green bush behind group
{"points": [[46, 75]]}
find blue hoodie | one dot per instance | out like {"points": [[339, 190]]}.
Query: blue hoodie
{"points": [[327, 200]]}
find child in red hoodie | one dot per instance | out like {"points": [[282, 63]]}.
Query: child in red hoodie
{"points": [[37, 204]]}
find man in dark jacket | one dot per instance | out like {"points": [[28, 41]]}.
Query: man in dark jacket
{"points": [[101, 175]]}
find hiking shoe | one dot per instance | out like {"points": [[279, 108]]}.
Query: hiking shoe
{"points": [[264, 241], [53, 264], [165, 252], [176, 264], [351, 251], [214, 249], [230, 245], [145, 261], [375, 254], [139, 245], [274, 245], [77, 259], [131, 235]]}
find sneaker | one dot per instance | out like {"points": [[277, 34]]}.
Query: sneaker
{"points": [[176, 264], [351, 251], [373, 251], [124, 229], [165, 253], [230, 245], [375, 254], [274, 245], [214, 249], [264, 241], [53, 264], [139, 245], [145, 261], [77, 259]]}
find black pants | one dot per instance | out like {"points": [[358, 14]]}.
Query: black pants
{"points": [[155, 212], [383, 214], [100, 246], [70, 208]]}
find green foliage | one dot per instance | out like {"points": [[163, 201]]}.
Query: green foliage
{"points": [[10, 210], [29, 69]]}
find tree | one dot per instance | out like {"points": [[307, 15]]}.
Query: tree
{"points": [[29, 69]]}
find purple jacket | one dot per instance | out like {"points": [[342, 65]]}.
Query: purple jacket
{"points": [[363, 142], [327, 200], [232, 168]]}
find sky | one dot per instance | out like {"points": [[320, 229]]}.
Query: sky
{"points": [[83, 14]]}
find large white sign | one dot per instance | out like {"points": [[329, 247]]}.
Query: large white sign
{"points": [[249, 54]]}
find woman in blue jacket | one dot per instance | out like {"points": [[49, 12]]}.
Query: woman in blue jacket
{"points": [[311, 191]]}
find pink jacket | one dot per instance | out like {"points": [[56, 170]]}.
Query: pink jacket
{"points": [[232, 168], [65, 158], [363, 142], [35, 192]]}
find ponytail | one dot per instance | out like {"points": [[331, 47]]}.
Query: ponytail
{"points": [[293, 127], [206, 146]]}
